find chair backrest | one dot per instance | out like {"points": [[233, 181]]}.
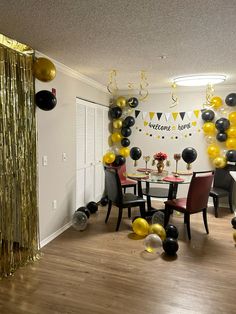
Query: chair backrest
{"points": [[223, 179], [199, 190], [121, 172], [113, 185]]}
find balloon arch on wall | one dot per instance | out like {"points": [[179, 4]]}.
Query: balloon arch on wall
{"points": [[220, 126]]}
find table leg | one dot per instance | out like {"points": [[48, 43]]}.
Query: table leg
{"points": [[140, 192], [173, 189]]}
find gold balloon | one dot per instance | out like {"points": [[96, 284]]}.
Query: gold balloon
{"points": [[231, 143], [216, 102], [159, 230], [117, 124], [231, 132], [232, 118], [140, 226], [116, 137], [44, 70], [109, 157], [220, 162], [124, 151], [209, 128], [121, 102], [213, 151]]}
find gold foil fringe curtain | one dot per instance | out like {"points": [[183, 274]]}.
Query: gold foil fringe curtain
{"points": [[18, 164]]}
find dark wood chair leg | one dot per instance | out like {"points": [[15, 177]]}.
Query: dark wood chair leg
{"points": [[135, 189], [124, 190], [187, 219], [149, 204], [216, 205], [108, 211], [231, 202], [204, 215], [142, 210], [119, 218], [129, 212], [167, 213]]}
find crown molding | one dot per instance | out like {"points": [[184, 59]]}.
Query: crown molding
{"points": [[184, 89], [72, 73]]}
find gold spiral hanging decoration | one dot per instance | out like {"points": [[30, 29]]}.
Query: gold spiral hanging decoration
{"points": [[112, 84], [143, 91], [209, 94], [174, 97]]}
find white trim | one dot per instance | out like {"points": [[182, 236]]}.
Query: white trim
{"points": [[72, 73], [55, 234], [180, 89]]}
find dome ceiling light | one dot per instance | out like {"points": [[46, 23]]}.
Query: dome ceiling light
{"points": [[199, 80]]}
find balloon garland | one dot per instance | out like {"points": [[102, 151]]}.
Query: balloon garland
{"points": [[45, 71], [122, 122], [222, 129]]}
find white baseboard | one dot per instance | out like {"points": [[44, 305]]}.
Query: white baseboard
{"points": [[55, 234]]}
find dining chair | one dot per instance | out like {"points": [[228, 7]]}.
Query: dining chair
{"points": [[223, 187], [196, 200], [125, 182], [117, 198]]}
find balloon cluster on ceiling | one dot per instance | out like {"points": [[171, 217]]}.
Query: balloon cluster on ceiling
{"points": [[45, 71], [220, 125], [122, 122]]}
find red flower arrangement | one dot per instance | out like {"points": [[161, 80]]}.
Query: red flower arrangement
{"points": [[160, 156]]}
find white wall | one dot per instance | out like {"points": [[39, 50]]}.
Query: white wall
{"points": [[56, 134], [161, 103]]}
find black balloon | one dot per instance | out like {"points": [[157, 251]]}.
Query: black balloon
{"points": [[221, 137], [119, 161], [222, 124], [115, 112], [189, 155], [104, 201], [92, 207], [230, 100], [45, 100], [125, 142], [172, 232], [84, 210], [233, 222], [126, 132], [231, 155], [170, 246], [129, 121], [133, 102], [208, 115], [135, 153]]}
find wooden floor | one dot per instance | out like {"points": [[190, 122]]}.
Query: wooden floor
{"points": [[101, 271]]}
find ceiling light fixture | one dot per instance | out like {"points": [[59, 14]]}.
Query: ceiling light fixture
{"points": [[199, 80]]}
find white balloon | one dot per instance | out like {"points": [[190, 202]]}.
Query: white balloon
{"points": [[152, 243]]}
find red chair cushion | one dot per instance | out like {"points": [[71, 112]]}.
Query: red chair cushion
{"points": [[178, 204], [128, 182]]}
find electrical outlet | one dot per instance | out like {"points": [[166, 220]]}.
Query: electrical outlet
{"points": [[54, 204]]}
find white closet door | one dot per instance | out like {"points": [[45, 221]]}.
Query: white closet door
{"points": [[92, 142]]}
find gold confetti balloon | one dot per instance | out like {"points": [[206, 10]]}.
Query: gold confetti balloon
{"points": [[44, 70], [124, 151], [109, 157], [216, 102], [117, 124], [220, 162]]}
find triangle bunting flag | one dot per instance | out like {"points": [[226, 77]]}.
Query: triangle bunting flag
{"points": [[137, 112], [175, 115], [159, 114], [182, 115], [151, 115]]}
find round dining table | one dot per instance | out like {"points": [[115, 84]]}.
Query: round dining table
{"points": [[156, 192]]}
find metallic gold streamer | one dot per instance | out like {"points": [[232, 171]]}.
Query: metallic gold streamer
{"points": [[18, 164], [209, 94]]}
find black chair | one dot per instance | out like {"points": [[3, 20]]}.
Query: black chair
{"points": [[223, 187], [117, 198]]}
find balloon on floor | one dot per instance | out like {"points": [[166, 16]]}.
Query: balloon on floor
{"points": [[84, 210], [170, 246], [152, 243], [92, 207], [140, 226], [172, 232], [79, 221]]}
